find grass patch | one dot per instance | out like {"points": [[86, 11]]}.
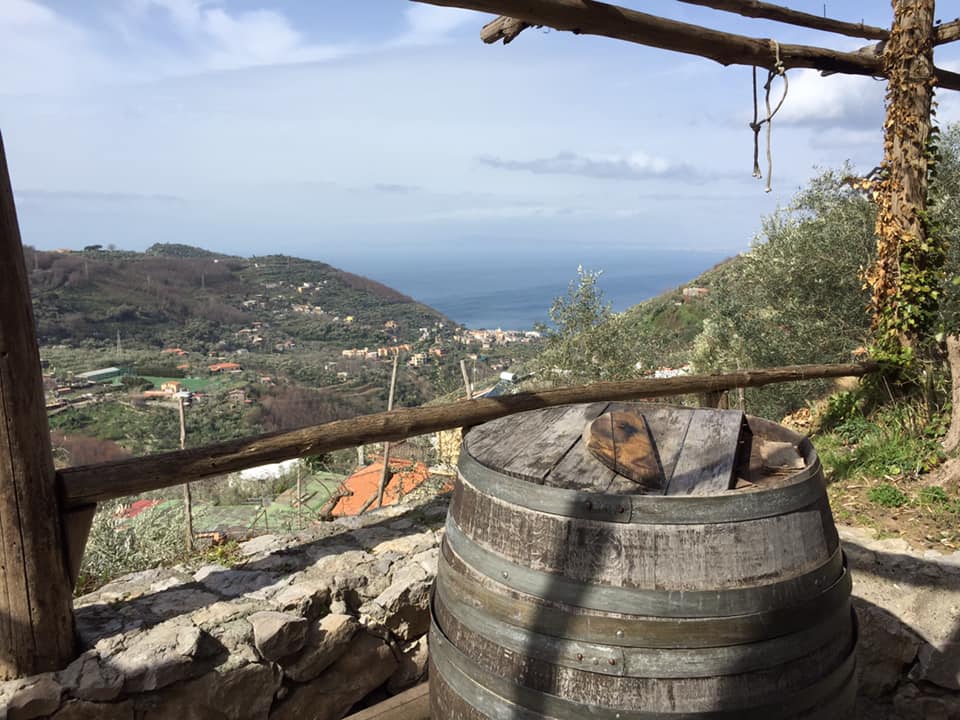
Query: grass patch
{"points": [[887, 496], [877, 466], [894, 441]]}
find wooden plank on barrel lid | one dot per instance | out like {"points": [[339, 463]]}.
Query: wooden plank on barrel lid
{"points": [[538, 452], [668, 427], [710, 453], [491, 442], [621, 441], [579, 470]]}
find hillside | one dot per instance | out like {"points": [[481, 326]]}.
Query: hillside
{"points": [[177, 295], [670, 322], [259, 344]]}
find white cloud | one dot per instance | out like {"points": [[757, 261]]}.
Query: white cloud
{"points": [[217, 39], [837, 100], [632, 166], [40, 51], [428, 24], [43, 52]]}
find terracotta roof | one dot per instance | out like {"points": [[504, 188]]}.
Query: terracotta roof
{"points": [[365, 482], [138, 506], [216, 367]]}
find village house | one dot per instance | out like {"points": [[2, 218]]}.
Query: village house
{"points": [[695, 293], [223, 367], [405, 476], [390, 351], [103, 375]]}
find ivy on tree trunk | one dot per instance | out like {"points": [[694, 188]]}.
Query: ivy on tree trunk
{"points": [[906, 278]]}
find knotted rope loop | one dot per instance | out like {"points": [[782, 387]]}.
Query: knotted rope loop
{"points": [[778, 70]]}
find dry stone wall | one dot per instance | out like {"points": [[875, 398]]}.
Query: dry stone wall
{"points": [[305, 627], [308, 625]]}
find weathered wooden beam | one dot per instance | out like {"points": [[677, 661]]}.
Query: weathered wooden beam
{"points": [[412, 704], [596, 18], [769, 11], [503, 28], [95, 483], [946, 32], [36, 607]]}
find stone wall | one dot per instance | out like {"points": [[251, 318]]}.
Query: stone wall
{"points": [[305, 627], [310, 624]]}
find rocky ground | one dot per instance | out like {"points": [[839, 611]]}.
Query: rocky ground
{"points": [[908, 605]]}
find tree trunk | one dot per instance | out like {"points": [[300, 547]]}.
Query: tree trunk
{"points": [[36, 612], [909, 264], [951, 441]]}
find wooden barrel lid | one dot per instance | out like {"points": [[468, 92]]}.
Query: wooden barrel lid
{"points": [[628, 448]]}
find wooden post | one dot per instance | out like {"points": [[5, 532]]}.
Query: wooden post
{"points": [[466, 379], [904, 276], [187, 498], [384, 479], [36, 612], [299, 496]]}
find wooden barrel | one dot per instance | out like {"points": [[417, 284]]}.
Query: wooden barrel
{"points": [[566, 591]]}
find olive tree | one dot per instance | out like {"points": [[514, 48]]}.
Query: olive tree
{"points": [[586, 341], [797, 296]]}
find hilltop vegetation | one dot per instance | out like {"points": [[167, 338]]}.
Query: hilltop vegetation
{"points": [[176, 295], [797, 296]]}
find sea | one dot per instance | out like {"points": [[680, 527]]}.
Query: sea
{"points": [[514, 291]]}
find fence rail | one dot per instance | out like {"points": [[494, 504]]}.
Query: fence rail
{"points": [[89, 484]]}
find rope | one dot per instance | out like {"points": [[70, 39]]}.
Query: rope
{"points": [[778, 71]]}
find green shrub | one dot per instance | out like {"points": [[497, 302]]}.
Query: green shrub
{"points": [[934, 496], [119, 545], [887, 496]]}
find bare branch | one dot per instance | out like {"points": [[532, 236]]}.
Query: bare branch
{"points": [[769, 11]]}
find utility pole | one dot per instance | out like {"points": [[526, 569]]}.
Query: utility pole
{"points": [[466, 379], [299, 496], [187, 499], [386, 446]]}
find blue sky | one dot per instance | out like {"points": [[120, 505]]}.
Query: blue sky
{"points": [[358, 128]]}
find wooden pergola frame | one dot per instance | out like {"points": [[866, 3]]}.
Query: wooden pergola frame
{"points": [[902, 303], [45, 514]]}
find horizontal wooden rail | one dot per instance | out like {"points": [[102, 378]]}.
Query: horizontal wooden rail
{"points": [[591, 17], [94, 483]]}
